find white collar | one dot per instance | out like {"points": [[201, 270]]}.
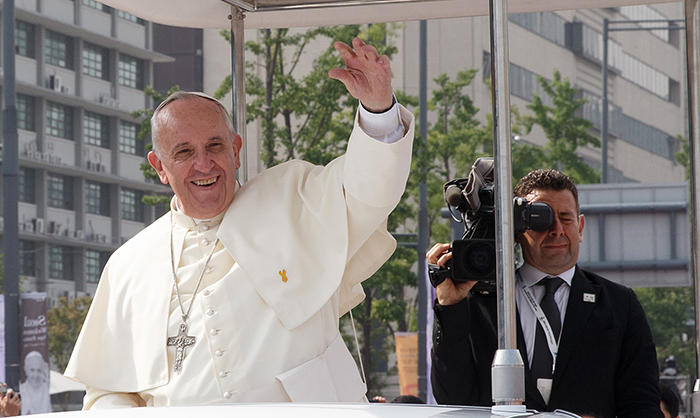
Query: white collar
{"points": [[191, 223], [530, 275]]}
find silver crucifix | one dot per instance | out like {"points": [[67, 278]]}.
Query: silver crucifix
{"points": [[180, 342]]}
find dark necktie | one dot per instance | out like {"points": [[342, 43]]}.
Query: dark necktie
{"points": [[542, 357]]}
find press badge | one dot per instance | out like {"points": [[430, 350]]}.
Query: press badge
{"points": [[545, 388]]}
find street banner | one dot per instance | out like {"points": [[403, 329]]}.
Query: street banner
{"points": [[34, 354], [407, 361]]}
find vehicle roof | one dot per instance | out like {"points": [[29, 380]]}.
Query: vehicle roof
{"points": [[306, 13], [320, 410]]}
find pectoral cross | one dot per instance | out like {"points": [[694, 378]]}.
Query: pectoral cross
{"points": [[180, 342]]}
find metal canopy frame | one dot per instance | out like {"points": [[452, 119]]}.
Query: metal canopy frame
{"points": [[296, 13]]}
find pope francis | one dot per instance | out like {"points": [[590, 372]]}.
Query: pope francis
{"points": [[235, 294]]}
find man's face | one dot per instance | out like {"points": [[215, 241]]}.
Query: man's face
{"points": [[555, 250], [198, 157]]}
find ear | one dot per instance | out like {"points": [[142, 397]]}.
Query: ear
{"points": [[581, 223], [237, 145], [157, 164]]}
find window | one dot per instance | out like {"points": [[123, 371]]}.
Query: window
{"points": [[58, 49], [129, 141], [130, 17], [95, 61], [60, 191], [95, 129], [132, 208], [26, 185], [97, 198], [25, 112], [59, 120], [24, 39], [60, 263], [96, 5], [130, 72], [94, 263], [546, 24], [27, 266]]}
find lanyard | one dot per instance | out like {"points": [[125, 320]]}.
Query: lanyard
{"points": [[552, 342]]}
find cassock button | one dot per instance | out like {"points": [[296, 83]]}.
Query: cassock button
{"points": [[206, 241], [213, 331], [206, 292], [219, 353], [227, 395], [205, 227], [222, 374], [210, 312]]}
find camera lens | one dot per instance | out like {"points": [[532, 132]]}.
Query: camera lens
{"points": [[480, 259], [474, 259]]}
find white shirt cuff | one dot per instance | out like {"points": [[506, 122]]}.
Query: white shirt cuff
{"points": [[385, 127]]}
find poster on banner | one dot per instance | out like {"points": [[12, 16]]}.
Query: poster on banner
{"points": [[407, 361], [34, 354]]}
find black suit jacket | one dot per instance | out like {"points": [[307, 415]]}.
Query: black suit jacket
{"points": [[606, 364]]}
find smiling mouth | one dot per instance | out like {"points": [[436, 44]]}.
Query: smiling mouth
{"points": [[206, 182]]}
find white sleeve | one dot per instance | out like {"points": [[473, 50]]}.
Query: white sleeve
{"points": [[102, 399], [385, 127]]}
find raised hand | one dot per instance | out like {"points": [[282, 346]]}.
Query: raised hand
{"points": [[9, 403], [367, 76]]}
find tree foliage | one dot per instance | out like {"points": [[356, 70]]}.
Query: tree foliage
{"points": [[565, 133], [669, 311], [65, 322], [455, 140]]}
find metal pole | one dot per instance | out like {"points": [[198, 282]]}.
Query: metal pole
{"points": [[508, 372], [238, 80], [10, 178], [604, 110], [423, 232], [692, 36]]}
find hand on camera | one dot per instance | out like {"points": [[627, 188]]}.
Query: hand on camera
{"points": [[448, 292]]}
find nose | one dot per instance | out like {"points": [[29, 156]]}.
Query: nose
{"points": [[202, 162], [557, 228]]}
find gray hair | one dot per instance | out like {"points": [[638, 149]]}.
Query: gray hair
{"points": [[184, 95]]}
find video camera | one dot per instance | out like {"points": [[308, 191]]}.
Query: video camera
{"points": [[474, 256]]}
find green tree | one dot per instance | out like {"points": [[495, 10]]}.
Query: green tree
{"points": [[307, 116], [455, 140], [669, 311], [65, 322], [564, 131]]}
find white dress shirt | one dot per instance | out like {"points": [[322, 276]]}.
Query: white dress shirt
{"points": [[529, 276]]}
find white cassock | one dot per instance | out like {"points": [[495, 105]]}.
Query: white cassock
{"points": [[295, 244]]}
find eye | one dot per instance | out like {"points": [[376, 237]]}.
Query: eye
{"points": [[215, 146], [182, 153]]}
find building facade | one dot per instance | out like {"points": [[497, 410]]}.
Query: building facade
{"points": [[81, 68], [646, 76]]}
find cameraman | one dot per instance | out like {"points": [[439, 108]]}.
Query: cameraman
{"points": [[606, 360]]}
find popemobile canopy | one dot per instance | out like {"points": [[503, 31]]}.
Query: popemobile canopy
{"points": [[304, 13]]}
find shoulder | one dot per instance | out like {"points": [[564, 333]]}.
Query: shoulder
{"points": [[609, 293], [142, 244]]}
